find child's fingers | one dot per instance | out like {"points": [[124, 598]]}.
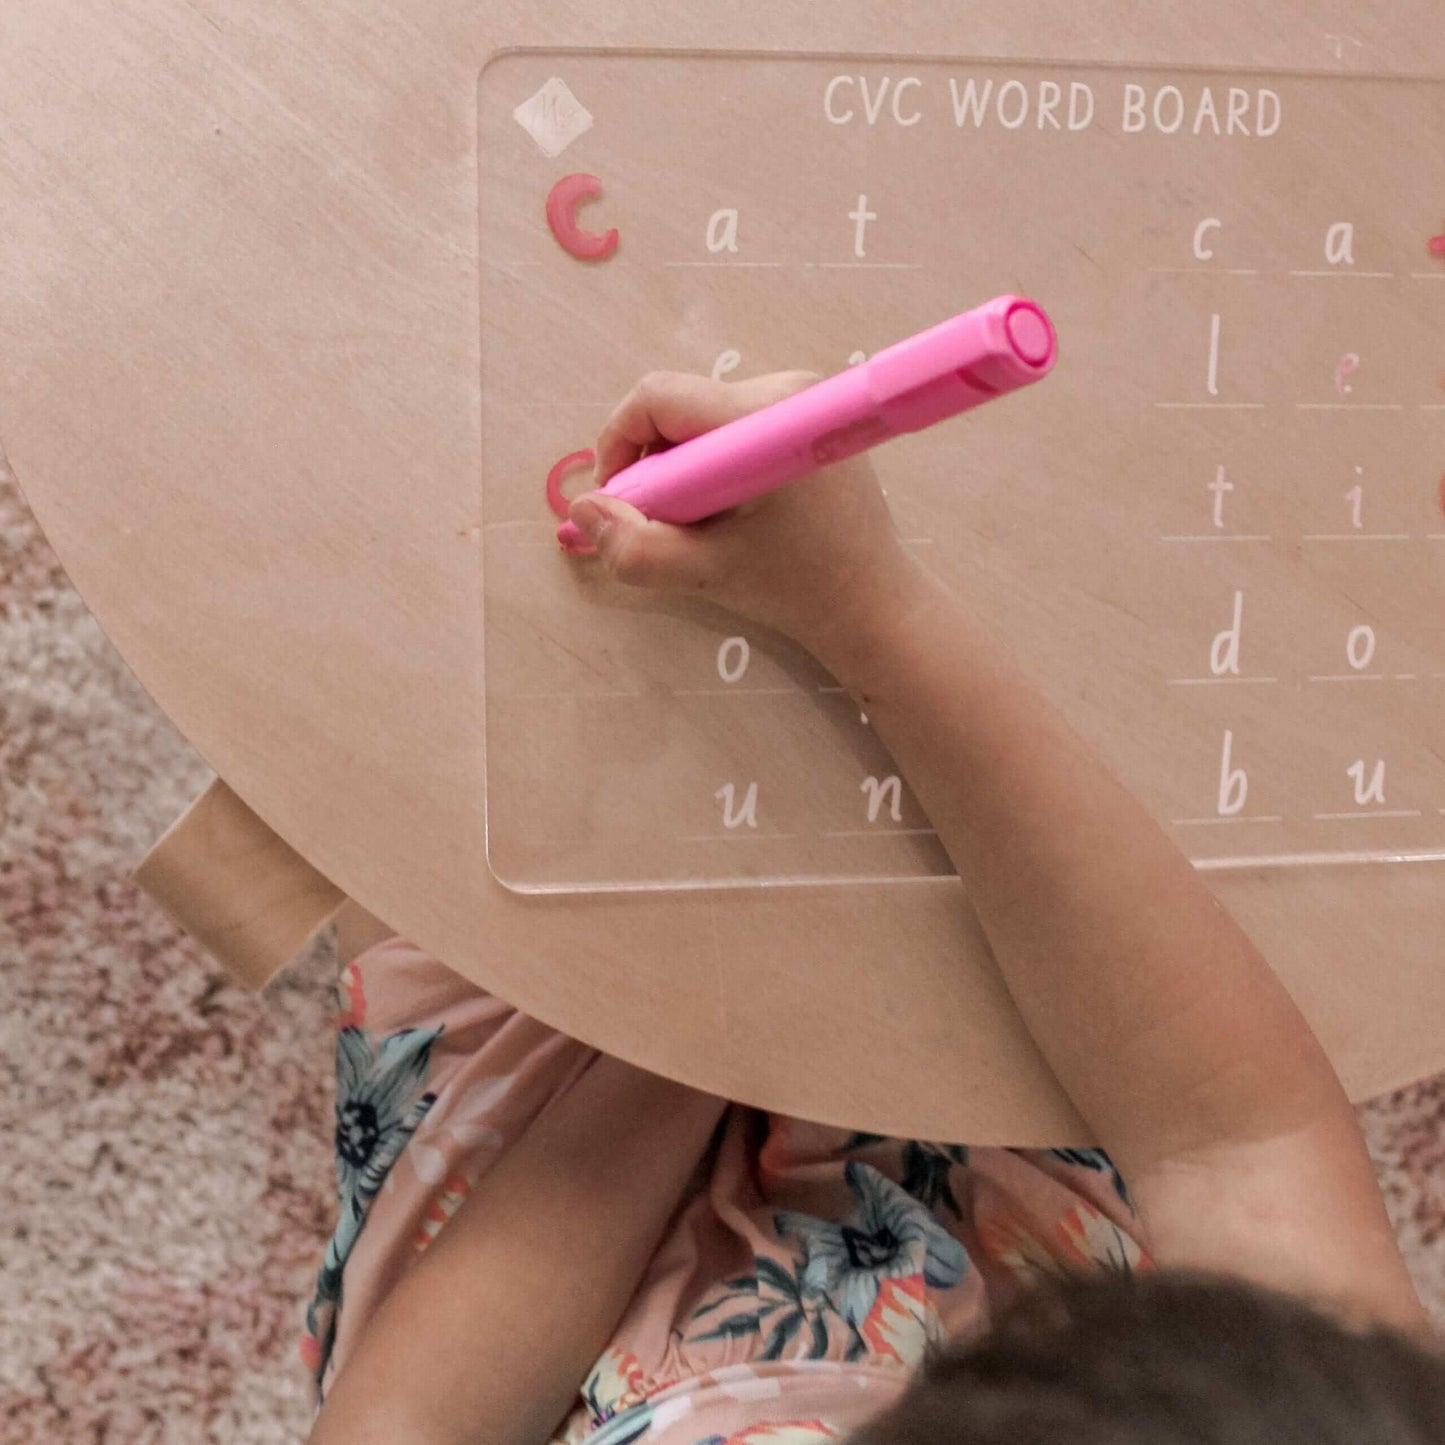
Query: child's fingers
{"points": [[662, 406], [639, 552], [674, 406]]}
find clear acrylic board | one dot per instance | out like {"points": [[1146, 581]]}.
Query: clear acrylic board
{"points": [[1214, 535]]}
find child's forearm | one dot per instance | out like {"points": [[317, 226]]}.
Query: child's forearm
{"points": [[488, 1337], [1158, 1015]]}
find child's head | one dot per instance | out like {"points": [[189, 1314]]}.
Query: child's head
{"points": [[1172, 1360]]}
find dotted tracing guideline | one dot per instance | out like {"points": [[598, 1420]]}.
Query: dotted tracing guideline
{"points": [[1216, 535]]}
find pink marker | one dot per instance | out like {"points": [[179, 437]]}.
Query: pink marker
{"points": [[963, 362]]}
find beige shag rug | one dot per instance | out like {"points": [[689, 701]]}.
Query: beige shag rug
{"points": [[168, 1185]]}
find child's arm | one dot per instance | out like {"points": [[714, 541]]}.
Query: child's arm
{"points": [[1161, 1020], [487, 1339]]}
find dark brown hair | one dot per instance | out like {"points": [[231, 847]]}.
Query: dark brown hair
{"points": [[1171, 1359]]}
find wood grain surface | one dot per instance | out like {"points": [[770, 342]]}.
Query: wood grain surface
{"points": [[239, 282]]}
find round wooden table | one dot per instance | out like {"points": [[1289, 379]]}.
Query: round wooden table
{"points": [[238, 302]]}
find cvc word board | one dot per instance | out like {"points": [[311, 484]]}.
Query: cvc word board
{"points": [[1214, 535]]}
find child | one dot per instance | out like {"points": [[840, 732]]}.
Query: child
{"points": [[538, 1242]]}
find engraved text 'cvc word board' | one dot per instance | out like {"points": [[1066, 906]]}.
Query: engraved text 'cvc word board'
{"points": [[1214, 534]]}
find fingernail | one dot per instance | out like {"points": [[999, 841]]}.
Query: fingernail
{"points": [[592, 517]]}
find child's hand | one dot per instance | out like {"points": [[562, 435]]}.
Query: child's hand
{"points": [[818, 559]]}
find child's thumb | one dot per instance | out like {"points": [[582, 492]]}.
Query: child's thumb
{"points": [[635, 550]]}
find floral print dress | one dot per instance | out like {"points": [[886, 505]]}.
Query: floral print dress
{"points": [[793, 1294]]}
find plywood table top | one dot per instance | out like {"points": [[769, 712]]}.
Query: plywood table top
{"points": [[240, 320]]}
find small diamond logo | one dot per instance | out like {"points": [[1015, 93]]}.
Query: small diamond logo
{"points": [[553, 117]]}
